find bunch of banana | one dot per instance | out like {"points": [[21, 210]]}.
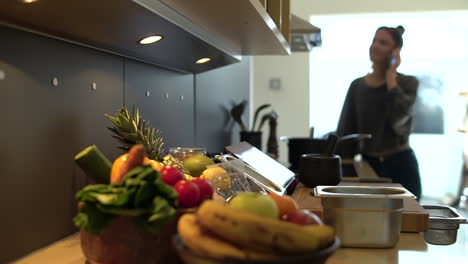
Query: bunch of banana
{"points": [[202, 241], [221, 231]]}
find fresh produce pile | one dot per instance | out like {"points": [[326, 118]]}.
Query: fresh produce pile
{"points": [[141, 183], [151, 189], [151, 196]]}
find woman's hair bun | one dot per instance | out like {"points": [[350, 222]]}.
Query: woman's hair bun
{"points": [[400, 29], [396, 33]]}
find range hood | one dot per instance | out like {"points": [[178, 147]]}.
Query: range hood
{"points": [[304, 36]]}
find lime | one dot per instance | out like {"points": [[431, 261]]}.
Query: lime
{"points": [[196, 164]]}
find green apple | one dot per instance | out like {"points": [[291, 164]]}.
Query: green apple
{"points": [[255, 203]]}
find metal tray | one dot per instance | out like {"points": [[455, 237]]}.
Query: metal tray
{"points": [[261, 168], [363, 192], [364, 216], [444, 222]]}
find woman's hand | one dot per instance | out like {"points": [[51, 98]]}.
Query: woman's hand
{"points": [[391, 73]]}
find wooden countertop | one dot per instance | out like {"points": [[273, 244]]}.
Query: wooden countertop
{"points": [[410, 249]]}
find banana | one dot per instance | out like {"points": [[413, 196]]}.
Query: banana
{"points": [[200, 241], [260, 233]]}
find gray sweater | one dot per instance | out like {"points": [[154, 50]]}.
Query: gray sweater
{"points": [[385, 114]]}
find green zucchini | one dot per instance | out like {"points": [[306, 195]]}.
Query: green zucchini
{"points": [[94, 164]]}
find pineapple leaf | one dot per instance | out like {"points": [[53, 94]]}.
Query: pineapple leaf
{"points": [[111, 118], [122, 123], [115, 122], [130, 129], [129, 136], [134, 109], [137, 118], [125, 149], [114, 130], [124, 111], [124, 141], [143, 126], [134, 126]]}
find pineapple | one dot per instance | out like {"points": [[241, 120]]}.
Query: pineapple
{"points": [[132, 129]]}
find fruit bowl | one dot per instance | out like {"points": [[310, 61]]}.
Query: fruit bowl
{"points": [[317, 257]]}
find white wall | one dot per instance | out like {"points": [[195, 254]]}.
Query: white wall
{"points": [[306, 8], [291, 101]]}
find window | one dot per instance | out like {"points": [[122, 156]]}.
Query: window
{"points": [[434, 51]]}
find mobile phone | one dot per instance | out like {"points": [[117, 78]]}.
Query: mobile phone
{"points": [[392, 59]]}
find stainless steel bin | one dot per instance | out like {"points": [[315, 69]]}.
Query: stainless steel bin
{"points": [[444, 222], [364, 216]]}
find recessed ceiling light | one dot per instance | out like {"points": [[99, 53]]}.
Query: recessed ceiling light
{"points": [[150, 39], [203, 60], [28, 1]]}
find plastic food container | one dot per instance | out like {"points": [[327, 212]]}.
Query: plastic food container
{"points": [[318, 257], [181, 153], [364, 216], [444, 222]]}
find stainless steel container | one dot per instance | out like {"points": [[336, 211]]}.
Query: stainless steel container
{"points": [[444, 222], [364, 216]]}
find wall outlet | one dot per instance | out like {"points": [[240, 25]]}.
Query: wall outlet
{"points": [[275, 83]]}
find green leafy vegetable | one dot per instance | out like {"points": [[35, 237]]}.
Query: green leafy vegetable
{"points": [[141, 194], [162, 210], [162, 214], [92, 219]]}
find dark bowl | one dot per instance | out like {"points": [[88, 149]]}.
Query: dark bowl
{"points": [[346, 147], [316, 257], [299, 146], [315, 170]]}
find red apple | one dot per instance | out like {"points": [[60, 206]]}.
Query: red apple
{"points": [[171, 175], [189, 193], [206, 189], [302, 217]]}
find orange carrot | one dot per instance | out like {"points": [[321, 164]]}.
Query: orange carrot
{"points": [[135, 158]]}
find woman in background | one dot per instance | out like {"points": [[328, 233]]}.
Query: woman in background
{"points": [[380, 104]]}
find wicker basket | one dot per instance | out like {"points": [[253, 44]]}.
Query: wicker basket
{"points": [[124, 243]]}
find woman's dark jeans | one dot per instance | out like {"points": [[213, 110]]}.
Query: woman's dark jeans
{"points": [[401, 167]]}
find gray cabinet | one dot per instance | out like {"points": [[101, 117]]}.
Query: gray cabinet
{"points": [[165, 98], [45, 127], [216, 92]]}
